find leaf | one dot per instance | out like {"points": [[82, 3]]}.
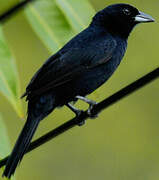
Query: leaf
{"points": [[56, 21], [9, 81], [78, 12], [4, 141]]}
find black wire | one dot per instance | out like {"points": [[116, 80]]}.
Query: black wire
{"points": [[95, 110], [13, 10]]}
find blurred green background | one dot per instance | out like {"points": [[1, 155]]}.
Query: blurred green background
{"points": [[123, 142]]}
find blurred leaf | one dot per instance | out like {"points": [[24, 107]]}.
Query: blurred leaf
{"points": [[56, 21], [9, 81], [4, 145], [78, 12]]}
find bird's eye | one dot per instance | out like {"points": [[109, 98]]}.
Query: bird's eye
{"points": [[126, 12]]}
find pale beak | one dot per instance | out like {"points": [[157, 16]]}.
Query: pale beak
{"points": [[143, 18]]}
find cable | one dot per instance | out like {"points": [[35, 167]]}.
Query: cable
{"points": [[13, 10], [95, 110]]}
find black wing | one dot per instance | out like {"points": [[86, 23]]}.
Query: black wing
{"points": [[64, 67]]}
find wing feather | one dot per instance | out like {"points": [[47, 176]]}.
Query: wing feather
{"points": [[61, 68]]}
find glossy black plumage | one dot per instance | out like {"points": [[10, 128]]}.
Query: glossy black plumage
{"points": [[79, 68]]}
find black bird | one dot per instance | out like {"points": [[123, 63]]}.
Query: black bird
{"points": [[76, 70]]}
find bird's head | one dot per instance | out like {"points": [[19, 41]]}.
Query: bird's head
{"points": [[120, 19]]}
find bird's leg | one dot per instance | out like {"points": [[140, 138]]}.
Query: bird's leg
{"points": [[76, 111], [90, 102], [91, 105]]}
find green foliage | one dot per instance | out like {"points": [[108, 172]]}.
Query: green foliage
{"points": [[9, 80], [55, 21], [78, 13]]}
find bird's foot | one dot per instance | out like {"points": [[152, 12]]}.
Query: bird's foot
{"points": [[81, 123], [91, 106], [78, 112], [90, 113]]}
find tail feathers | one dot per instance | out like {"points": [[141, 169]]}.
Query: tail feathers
{"points": [[21, 146]]}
